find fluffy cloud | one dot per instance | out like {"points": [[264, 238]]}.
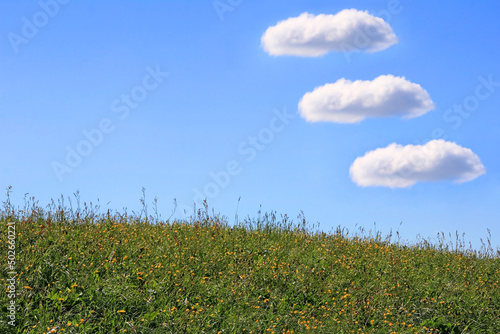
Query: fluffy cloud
{"points": [[397, 166], [311, 35], [348, 101]]}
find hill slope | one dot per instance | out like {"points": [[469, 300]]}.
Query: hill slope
{"points": [[87, 273]]}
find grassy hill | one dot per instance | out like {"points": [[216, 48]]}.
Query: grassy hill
{"points": [[83, 272]]}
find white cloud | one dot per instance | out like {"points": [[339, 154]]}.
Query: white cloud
{"points": [[311, 35], [397, 166], [348, 101]]}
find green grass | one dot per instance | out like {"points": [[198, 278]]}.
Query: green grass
{"points": [[83, 272]]}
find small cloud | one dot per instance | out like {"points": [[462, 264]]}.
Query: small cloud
{"points": [[397, 166], [348, 101], [311, 35]]}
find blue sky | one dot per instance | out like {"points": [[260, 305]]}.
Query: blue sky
{"points": [[212, 103]]}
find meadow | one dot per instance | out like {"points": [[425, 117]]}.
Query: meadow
{"points": [[81, 271]]}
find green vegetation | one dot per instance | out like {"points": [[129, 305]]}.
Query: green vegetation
{"points": [[84, 272]]}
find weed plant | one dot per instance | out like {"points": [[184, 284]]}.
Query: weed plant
{"points": [[80, 271]]}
